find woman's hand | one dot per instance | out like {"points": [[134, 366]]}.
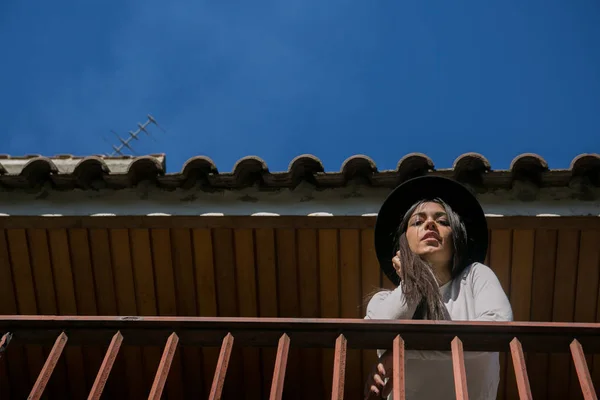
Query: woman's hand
{"points": [[397, 264], [376, 387]]}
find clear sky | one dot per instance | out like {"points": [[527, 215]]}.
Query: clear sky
{"points": [[277, 79]]}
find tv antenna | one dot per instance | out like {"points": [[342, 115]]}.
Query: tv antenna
{"points": [[133, 135]]}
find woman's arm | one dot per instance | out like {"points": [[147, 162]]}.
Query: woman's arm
{"points": [[390, 304]]}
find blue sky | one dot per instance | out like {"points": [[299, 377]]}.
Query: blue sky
{"points": [[277, 79]]}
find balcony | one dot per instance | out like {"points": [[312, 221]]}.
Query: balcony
{"points": [[315, 269], [66, 340]]}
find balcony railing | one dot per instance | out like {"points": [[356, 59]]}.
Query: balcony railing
{"points": [[340, 334]]}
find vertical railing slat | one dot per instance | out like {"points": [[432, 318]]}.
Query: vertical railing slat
{"points": [[583, 372], [164, 367], [458, 366], [48, 368], [106, 367], [516, 351], [398, 369], [280, 366], [221, 370], [339, 368]]}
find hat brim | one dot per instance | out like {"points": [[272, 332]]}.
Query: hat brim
{"points": [[399, 201]]}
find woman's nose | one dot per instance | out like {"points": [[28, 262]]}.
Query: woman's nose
{"points": [[430, 224]]}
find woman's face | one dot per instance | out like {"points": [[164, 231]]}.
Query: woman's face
{"points": [[429, 234]]}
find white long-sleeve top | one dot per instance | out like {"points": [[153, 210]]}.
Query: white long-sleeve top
{"points": [[474, 295]]}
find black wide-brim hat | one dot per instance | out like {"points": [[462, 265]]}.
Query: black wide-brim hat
{"points": [[403, 197]]}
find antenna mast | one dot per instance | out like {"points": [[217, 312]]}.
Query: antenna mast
{"points": [[118, 149]]}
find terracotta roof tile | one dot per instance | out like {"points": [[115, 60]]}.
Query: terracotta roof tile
{"points": [[66, 172]]}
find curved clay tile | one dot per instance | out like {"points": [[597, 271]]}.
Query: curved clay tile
{"points": [[90, 169], [144, 168], [413, 165], [305, 163], [471, 162], [199, 165], [358, 165], [38, 169], [249, 170], [526, 170], [469, 169], [304, 168], [250, 162], [528, 162], [415, 160], [585, 164]]}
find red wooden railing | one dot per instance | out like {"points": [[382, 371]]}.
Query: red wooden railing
{"points": [[341, 334]]}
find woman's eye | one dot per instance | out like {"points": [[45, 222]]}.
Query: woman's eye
{"points": [[417, 222], [444, 222]]}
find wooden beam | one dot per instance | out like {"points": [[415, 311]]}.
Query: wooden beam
{"points": [[293, 221]]}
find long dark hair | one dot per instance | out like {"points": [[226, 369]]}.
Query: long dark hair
{"points": [[418, 280]]}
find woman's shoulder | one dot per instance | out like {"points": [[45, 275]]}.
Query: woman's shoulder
{"points": [[379, 296], [478, 271]]}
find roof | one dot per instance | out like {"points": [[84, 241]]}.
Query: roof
{"points": [[65, 172]]}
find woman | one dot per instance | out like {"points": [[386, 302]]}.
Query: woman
{"points": [[431, 239]]}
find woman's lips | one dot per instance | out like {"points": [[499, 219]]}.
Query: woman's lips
{"points": [[431, 236]]}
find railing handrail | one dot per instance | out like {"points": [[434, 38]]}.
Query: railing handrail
{"points": [[284, 320], [306, 332]]}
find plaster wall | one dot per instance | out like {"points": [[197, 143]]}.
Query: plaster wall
{"points": [[303, 200]]}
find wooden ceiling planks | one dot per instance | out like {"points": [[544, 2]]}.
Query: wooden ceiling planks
{"points": [[548, 266], [544, 261]]}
